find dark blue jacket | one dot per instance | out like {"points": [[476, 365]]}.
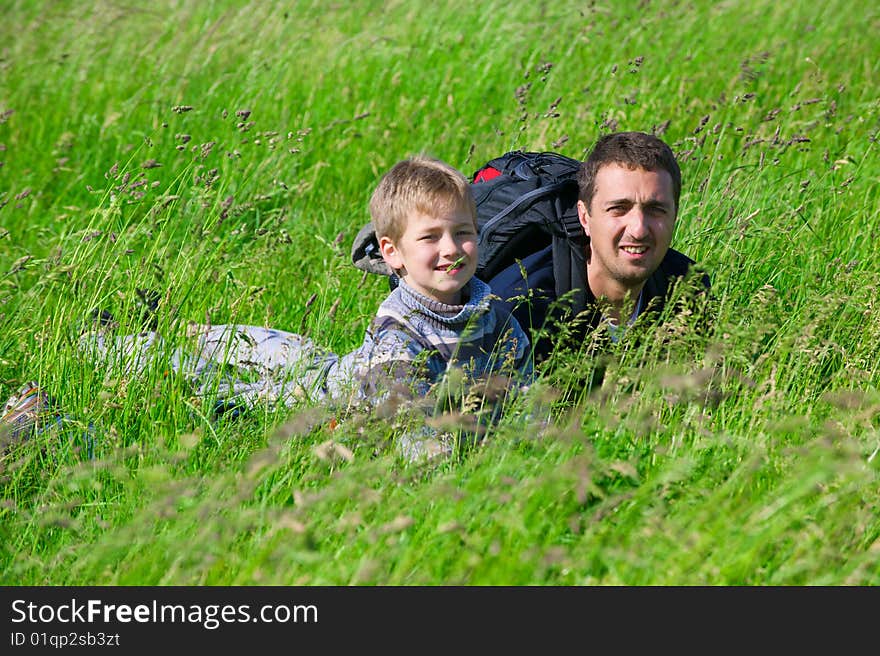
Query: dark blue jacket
{"points": [[546, 282]]}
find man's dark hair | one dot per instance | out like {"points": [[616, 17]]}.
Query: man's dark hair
{"points": [[632, 150]]}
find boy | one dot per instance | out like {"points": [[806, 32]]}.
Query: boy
{"points": [[439, 316]]}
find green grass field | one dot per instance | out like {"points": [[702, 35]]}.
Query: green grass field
{"points": [[223, 154]]}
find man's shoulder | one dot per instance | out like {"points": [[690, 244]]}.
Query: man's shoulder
{"points": [[677, 265]]}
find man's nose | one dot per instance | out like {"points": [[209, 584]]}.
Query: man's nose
{"points": [[637, 226]]}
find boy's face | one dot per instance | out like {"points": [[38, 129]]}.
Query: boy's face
{"points": [[436, 255]]}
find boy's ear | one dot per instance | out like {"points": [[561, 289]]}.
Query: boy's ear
{"points": [[390, 254]]}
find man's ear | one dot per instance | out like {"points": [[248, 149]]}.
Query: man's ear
{"points": [[584, 217], [390, 254]]}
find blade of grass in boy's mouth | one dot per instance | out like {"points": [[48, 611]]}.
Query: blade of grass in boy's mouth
{"points": [[455, 265]]}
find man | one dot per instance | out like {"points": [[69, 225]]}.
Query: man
{"points": [[628, 194]]}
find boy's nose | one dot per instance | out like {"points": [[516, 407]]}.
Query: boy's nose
{"points": [[448, 245]]}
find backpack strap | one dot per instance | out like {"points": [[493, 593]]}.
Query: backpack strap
{"points": [[570, 271]]}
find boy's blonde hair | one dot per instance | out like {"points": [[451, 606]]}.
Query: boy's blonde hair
{"points": [[418, 184]]}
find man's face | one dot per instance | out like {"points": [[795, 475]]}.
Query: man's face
{"points": [[436, 255], [629, 223]]}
